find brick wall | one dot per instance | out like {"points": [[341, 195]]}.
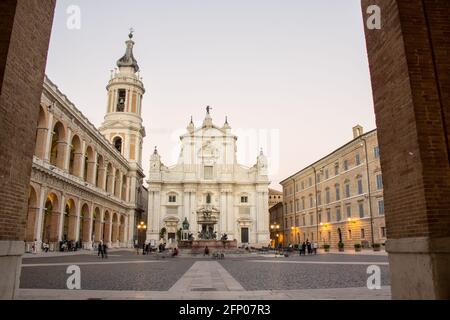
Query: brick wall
{"points": [[410, 78], [25, 27]]}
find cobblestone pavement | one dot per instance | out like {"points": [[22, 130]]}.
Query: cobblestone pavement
{"points": [[264, 276]]}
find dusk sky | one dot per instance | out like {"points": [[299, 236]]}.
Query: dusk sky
{"points": [[292, 76]]}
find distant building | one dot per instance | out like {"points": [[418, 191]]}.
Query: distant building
{"points": [[275, 197], [276, 215], [338, 198], [209, 190]]}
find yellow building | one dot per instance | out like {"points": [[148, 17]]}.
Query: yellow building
{"points": [[338, 198]]}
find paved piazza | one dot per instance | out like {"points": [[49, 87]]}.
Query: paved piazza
{"points": [[126, 275]]}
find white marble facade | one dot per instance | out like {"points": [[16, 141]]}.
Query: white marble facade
{"points": [[210, 189]]}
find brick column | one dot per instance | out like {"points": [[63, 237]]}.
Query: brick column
{"points": [[410, 70], [25, 27]]}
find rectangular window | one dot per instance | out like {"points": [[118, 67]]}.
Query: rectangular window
{"points": [[336, 169], [338, 214], [338, 193], [361, 209], [311, 202], [320, 217], [311, 219], [349, 234], [327, 175], [376, 152], [363, 234], [379, 182], [329, 236], [383, 232], [208, 172], [172, 199], [303, 185], [349, 212], [244, 199], [360, 186], [310, 181], [319, 198], [318, 178], [304, 220], [345, 165], [347, 190], [381, 207], [358, 159], [303, 203], [328, 215], [327, 196]]}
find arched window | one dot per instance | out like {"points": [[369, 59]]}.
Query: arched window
{"points": [[208, 198], [118, 144]]}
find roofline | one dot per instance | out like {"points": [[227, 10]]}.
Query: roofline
{"points": [[330, 154]]}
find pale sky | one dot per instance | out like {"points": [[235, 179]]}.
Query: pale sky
{"points": [[292, 75]]}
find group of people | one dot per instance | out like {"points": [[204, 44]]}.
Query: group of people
{"points": [[102, 250], [307, 247]]}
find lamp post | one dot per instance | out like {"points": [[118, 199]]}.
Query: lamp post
{"points": [[275, 228], [142, 226]]}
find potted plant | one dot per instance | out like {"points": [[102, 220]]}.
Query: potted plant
{"points": [[341, 246], [376, 247], [326, 247], [357, 247]]}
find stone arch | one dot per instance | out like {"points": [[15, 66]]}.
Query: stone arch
{"points": [[69, 220], [89, 165], [58, 145], [100, 172], [76, 156], [84, 223], [41, 134], [49, 232], [33, 211], [118, 143]]}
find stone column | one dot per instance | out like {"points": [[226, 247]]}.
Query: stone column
{"points": [[66, 158], [102, 178], [62, 209], [48, 142], [92, 166], [409, 67], [109, 226], [231, 217]]}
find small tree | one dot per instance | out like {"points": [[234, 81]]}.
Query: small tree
{"points": [[162, 233]]}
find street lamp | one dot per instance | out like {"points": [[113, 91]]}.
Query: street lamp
{"points": [[142, 226]]}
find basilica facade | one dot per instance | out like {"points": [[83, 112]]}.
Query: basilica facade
{"points": [[207, 191], [87, 183]]}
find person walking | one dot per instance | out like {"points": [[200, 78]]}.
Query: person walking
{"points": [[206, 253], [308, 245], [105, 251], [100, 249]]}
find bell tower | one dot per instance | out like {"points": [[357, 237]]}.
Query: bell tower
{"points": [[123, 120], [123, 126]]}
